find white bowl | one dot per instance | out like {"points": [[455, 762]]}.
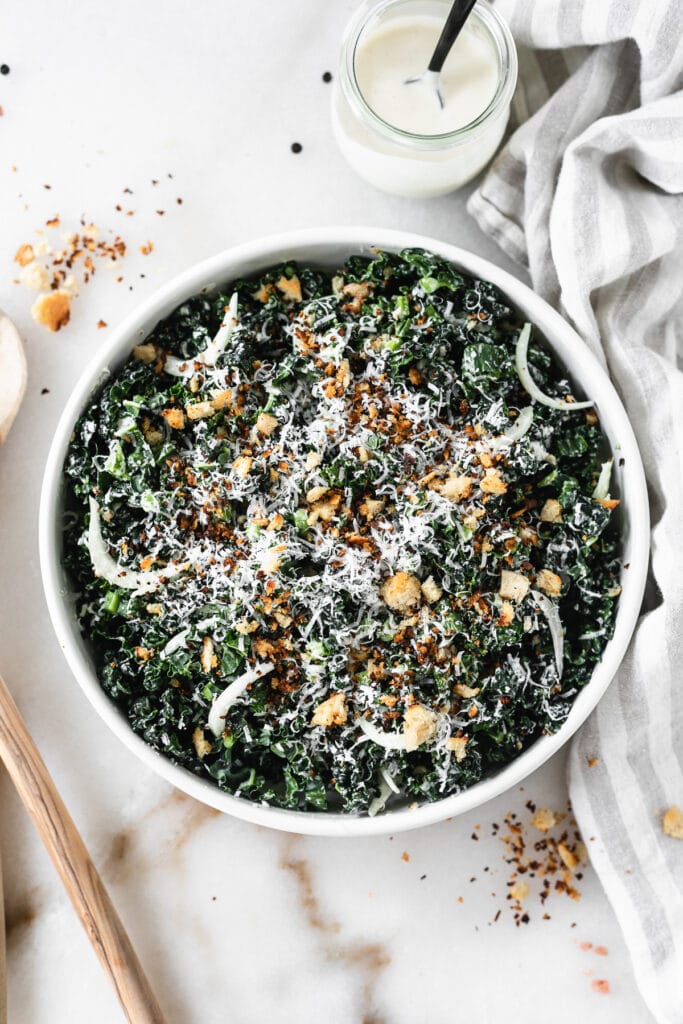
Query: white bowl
{"points": [[328, 248]]}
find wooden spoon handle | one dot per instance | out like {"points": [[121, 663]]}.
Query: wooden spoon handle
{"points": [[77, 871], [3, 961]]}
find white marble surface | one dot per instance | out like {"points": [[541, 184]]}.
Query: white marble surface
{"points": [[233, 923]]}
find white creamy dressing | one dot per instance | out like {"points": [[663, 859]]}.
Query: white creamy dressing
{"points": [[401, 49]]}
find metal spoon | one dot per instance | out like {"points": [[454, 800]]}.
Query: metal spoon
{"points": [[458, 15]]}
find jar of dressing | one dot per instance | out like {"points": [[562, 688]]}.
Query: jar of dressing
{"points": [[397, 136]]}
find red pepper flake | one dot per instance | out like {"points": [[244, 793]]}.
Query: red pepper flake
{"points": [[146, 249], [601, 985], [101, 324], [601, 951], [405, 856]]}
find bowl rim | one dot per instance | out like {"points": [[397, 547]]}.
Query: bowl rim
{"points": [[581, 364]]}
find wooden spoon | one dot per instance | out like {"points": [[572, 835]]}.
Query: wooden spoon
{"points": [[3, 961], [86, 890], [12, 374]]}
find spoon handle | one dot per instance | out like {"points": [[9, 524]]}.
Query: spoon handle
{"points": [[86, 890], [458, 15], [3, 961]]}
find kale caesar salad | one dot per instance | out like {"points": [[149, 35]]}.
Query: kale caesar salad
{"points": [[343, 541]]}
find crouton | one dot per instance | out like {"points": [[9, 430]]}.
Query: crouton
{"points": [[146, 353], [207, 659], [201, 745], [456, 488], [324, 509], [549, 582], [199, 410], [315, 494], [290, 288], [419, 726], [466, 691], [493, 483], [174, 417], [507, 614], [431, 591], [221, 400], [271, 560], [331, 712], [359, 292], [513, 585], [371, 507], [266, 424], [264, 293], [401, 591], [246, 626], [242, 465], [458, 745], [551, 511], [313, 460]]}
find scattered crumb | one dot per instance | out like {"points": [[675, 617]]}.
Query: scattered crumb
{"points": [[593, 761], [544, 819], [24, 255], [101, 324], [52, 310], [405, 856], [600, 985], [146, 249], [35, 277], [539, 866], [672, 822], [519, 891], [45, 391], [601, 951]]}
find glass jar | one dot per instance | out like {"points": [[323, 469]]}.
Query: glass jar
{"points": [[402, 162]]}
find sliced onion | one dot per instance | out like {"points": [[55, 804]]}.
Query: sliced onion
{"points": [[528, 382], [389, 780], [377, 805], [517, 431], [178, 641], [602, 487], [388, 740], [208, 356], [231, 694], [549, 609], [105, 566]]}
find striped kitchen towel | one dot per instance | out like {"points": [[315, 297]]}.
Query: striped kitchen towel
{"points": [[588, 195]]}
